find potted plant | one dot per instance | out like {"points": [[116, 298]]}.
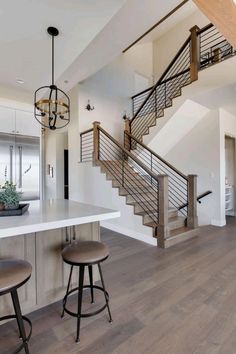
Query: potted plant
{"points": [[9, 196], [2, 206]]}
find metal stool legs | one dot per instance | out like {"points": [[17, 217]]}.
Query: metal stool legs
{"points": [[80, 288], [105, 292], [90, 268], [19, 319], [67, 291], [80, 296]]}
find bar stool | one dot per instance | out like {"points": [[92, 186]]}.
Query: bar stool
{"points": [[85, 254], [13, 274]]}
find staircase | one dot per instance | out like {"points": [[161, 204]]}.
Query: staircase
{"points": [[203, 48], [162, 196], [167, 204]]}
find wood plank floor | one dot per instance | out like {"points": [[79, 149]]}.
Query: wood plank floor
{"points": [[176, 301]]}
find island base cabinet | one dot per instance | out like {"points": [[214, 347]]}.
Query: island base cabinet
{"points": [[21, 247], [49, 273], [52, 272]]}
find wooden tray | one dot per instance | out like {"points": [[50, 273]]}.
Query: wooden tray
{"points": [[14, 212]]}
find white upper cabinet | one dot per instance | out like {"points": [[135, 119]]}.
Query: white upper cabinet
{"points": [[14, 121], [7, 120], [26, 124]]}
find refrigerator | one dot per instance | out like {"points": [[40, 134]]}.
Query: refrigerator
{"points": [[19, 163]]}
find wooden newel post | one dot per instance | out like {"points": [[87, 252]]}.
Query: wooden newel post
{"points": [[96, 142], [192, 219], [127, 142], [194, 53], [163, 206]]}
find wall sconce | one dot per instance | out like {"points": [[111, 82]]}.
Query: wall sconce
{"points": [[89, 107], [125, 117]]}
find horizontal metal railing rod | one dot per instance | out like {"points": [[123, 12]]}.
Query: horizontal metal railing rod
{"points": [[162, 76], [157, 156], [86, 132], [129, 188], [129, 154]]}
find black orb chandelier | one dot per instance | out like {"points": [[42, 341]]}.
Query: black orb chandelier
{"points": [[51, 104]]}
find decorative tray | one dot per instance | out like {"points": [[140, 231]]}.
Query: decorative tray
{"points": [[14, 212]]}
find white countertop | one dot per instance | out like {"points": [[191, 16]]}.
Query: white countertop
{"points": [[53, 214]]}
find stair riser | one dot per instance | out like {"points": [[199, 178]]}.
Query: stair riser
{"points": [[176, 224]]}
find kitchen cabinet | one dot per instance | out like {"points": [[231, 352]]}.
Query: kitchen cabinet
{"points": [[21, 247], [13, 121]]}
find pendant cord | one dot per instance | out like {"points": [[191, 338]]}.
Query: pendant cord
{"points": [[52, 60]]}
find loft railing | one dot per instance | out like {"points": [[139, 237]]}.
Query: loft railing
{"points": [[178, 182], [203, 48], [86, 145]]}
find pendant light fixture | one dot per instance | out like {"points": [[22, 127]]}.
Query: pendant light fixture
{"points": [[51, 104]]}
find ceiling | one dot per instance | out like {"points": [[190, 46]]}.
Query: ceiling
{"points": [[26, 46], [183, 12], [92, 33]]}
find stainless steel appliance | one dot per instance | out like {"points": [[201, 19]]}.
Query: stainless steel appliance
{"points": [[19, 163]]}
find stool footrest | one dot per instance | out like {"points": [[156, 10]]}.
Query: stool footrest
{"points": [[88, 314], [10, 317]]}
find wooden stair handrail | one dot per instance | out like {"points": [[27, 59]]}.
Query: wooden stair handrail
{"points": [[162, 76], [159, 157]]}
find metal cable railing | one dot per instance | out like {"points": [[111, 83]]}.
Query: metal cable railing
{"points": [[213, 47], [178, 182], [130, 174], [148, 105], [86, 145], [159, 97]]}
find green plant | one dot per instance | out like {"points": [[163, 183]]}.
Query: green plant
{"points": [[9, 195]]}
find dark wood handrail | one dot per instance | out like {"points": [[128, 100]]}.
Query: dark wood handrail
{"points": [[198, 199], [163, 82], [142, 92], [205, 28], [157, 156], [86, 131], [162, 76], [133, 157]]}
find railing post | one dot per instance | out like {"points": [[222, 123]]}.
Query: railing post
{"points": [[163, 205], [194, 53], [127, 140], [192, 219], [96, 143]]}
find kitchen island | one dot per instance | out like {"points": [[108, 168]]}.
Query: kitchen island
{"points": [[38, 236]]}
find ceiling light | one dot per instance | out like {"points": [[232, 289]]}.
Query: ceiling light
{"points": [[20, 81], [51, 104]]}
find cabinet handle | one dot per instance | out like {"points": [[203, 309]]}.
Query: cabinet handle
{"points": [[67, 236], [74, 234]]}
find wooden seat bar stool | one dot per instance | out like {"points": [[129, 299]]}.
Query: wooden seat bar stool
{"points": [[13, 274], [85, 254]]}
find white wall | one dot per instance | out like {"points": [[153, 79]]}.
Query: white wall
{"points": [[199, 153], [95, 189], [109, 91], [140, 58], [55, 143], [165, 47]]}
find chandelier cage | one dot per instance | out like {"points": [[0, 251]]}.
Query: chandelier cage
{"points": [[51, 104]]}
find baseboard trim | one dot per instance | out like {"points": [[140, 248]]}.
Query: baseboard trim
{"points": [[130, 233], [218, 222]]}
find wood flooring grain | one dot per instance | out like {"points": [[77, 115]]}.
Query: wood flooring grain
{"points": [[180, 300]]}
